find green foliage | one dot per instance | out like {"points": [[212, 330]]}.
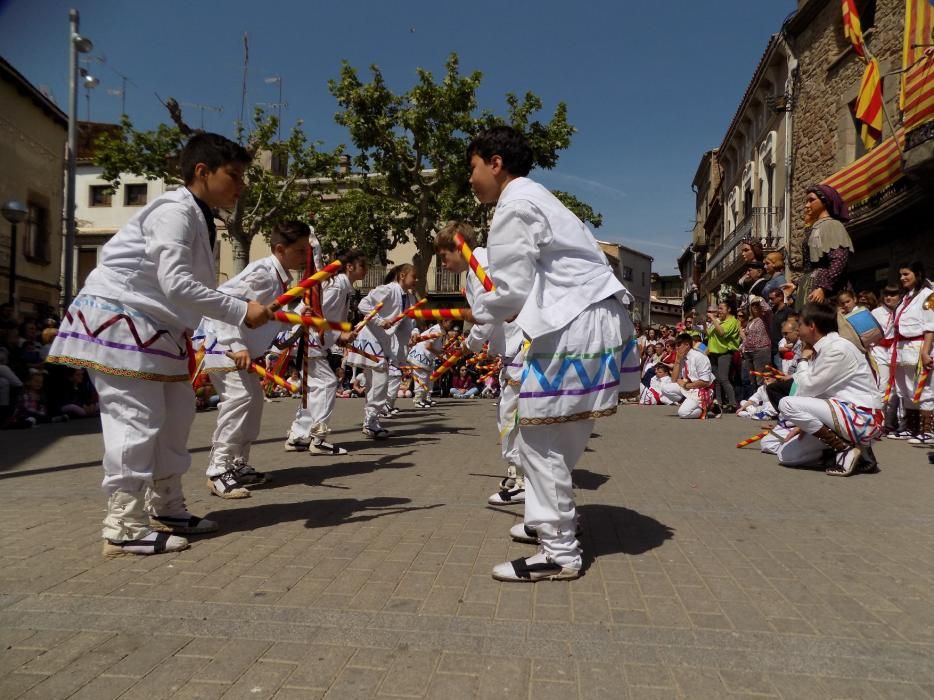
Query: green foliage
{"points": [[415, 145]]}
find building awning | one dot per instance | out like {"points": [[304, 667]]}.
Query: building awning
{"points": [[877, 170]]}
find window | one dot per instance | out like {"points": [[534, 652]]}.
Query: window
{"points": [[37, 234], [854, 133], [627, 274], [135, 195], [100, 196]]}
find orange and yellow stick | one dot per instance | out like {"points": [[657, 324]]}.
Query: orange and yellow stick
{"points": [[271, 376], [320, 323], [419, 381], [369, 317], [488, 374], [923, 375], [446, 365], [398, 317], [471, 259], [429, 336], [310, 281], [754, 438], [435, 314], [374, 358]]}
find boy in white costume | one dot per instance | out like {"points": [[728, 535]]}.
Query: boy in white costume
{"points": [[694, 375], [131, 325], [240, 411], [837, 402], [503, 339], [422, 358], [914, 340], [758, 406], [553, 278], [382, 341], [310, 426], [881, 352], [662, 390]]}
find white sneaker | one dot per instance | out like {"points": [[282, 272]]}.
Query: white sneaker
{"points": [[153, 543], [844, 463], [227, 485], [538, 567], [520, 533], [247, 474], [296, 445], [507, 497], [922, 440], [319, 447], [182, 524]]}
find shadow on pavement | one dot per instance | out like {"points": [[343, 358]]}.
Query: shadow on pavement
{"points": [[614, 530], [328, 512], [317, 472], [21, 445], [588, 480]]}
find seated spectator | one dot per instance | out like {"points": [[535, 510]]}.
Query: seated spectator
{"points": [[463, 385], [693, 374], [206, 396], [405, 385], [47, 336], [10, 386], [76, 397], [490, 386], [358, 386], [662, 391], [31, 408], [758, 406], [29, 352], [836, 391], [789, 347], [295, 382]]}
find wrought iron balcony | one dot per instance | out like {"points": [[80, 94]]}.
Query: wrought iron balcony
{"points": [[439, 280], [725, 261]]}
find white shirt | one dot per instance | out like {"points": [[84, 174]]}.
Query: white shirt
{"points": [[504, 338], [838, 371], [336, 294], [695, 367], [886, 318], [161, 263], [913, 319], [668, 391], [546, 265], [395, 301]]}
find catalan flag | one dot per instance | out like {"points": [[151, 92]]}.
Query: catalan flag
{"points": [[869, 104], [852, 29], [919, 21]]}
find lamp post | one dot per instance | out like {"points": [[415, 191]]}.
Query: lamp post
{"points": [[76, 44], [15, 212]]}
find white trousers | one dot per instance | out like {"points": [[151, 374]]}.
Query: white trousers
{"points": [[810, 415], [393, 382], [322, 393], [905, 382], [506, 413], [145, 427], [239, 417], [691, 406], [548, 454], [377, 385], [423, 384]]}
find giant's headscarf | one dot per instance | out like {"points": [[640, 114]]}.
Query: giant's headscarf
{"points": [[832, 201]]}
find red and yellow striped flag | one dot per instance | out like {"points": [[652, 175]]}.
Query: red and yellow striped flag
{"points": [[852, 29], [919, 21], [869, 104]]}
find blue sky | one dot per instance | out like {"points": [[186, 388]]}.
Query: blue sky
{"points": [[649, 86]]}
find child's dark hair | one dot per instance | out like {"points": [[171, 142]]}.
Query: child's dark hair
{"points": [[822, 316], [444, 239], [352, 256], [507, 143], [288, 232], [684, 338], [213, 150], [396, 273]]}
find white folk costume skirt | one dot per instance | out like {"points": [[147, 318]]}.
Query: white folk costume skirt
{"points": [[370, 352], [109, 337], [421, 358], [579, 372]]}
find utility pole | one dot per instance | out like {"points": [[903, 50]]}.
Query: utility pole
{"points": [[211, 108]]}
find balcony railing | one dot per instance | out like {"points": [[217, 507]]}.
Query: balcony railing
{"points": [[439, 280], [725, 261]]}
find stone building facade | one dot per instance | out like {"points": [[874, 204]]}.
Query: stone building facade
{"points": [[895, 225]]}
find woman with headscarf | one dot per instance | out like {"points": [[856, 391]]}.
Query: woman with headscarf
{"points": [[827, 248]]}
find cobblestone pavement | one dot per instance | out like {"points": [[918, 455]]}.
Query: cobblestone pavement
{"points": [[711, 572]]}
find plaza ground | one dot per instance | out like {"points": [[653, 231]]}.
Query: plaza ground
{"points": [[710, 572]]}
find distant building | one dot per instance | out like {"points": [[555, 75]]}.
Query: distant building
{"points": [[667, 298], [32, 165], [634, 269]]}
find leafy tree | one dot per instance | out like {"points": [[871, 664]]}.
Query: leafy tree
{"points": [[412, 151], [272, 193]]}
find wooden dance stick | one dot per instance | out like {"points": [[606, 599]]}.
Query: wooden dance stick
{"points": [[272, 376], [321, 323], [754, 438], [471, 259], [922, 380], [310, 281], [429, 336], [446, 365], [420, 382], [369, 317], [434, 314], [398, 317]]}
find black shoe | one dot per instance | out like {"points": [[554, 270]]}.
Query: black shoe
{"points": [[867, 464]]}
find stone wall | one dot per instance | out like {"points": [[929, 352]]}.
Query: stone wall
{"points": [[829, 76]]}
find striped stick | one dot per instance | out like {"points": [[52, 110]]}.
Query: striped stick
{"points": [[754, 438], [398, 317], [320, 323], [446, 365], [419, 381], [922, 380], [310, 281], [369, 317], [429, 336], [271, 376], [471, 259], [374, 358], [434, 314]]}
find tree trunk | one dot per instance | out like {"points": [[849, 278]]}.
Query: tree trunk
{"points": [[240, 250]]}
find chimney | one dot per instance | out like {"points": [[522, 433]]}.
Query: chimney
{"points": [[343, 164]]}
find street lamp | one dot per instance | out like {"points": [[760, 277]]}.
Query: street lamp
{"points": [[76, 44], [15, 212]]}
